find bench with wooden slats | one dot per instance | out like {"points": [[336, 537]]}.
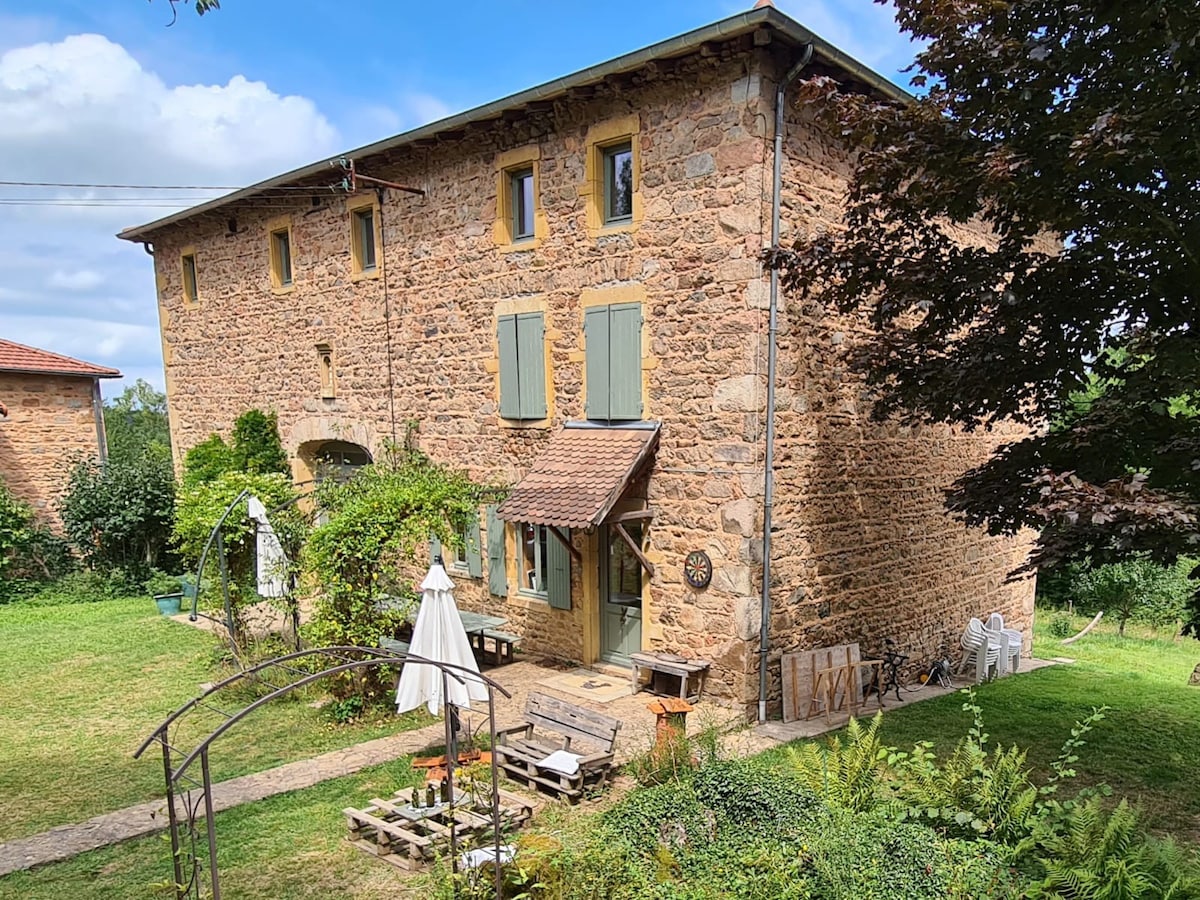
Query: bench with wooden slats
{"points": [[394, 645], [552, 724]]}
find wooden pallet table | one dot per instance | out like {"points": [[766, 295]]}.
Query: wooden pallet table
{"points": [[409, 837]]}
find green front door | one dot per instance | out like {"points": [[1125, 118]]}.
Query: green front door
{"points": [[620, 596]]}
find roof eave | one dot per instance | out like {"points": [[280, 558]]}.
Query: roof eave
{"points": [[732, 26], [106, 373]]}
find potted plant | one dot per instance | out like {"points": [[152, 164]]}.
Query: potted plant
{"points": [[166, 591]]}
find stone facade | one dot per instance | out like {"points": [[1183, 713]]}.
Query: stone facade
{"points": [[863, 549], [51, 420]]}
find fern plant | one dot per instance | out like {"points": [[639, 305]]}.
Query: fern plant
{"points": [[845, 775], [1094, 854]]}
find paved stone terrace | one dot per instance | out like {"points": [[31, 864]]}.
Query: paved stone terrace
{"points": [[519, 678]]}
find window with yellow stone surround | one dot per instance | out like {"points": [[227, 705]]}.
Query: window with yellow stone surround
{"points": [[366, 250], [187, 266], [612, 186], [279, 249], [520, 222]]}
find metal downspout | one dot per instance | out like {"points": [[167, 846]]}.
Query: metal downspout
{"points": [[772, 331]]}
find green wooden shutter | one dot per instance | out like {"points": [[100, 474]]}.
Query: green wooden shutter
{"points": [[595, 327], [497, 574], [474, 552], [531, 365], [558, 572], [625, 361], [435, 548], [510, 389]]}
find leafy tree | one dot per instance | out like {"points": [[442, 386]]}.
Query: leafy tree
{"points": [[1069, 128], [255, 448], [1137, 588], [136, 421], [118, 515]]}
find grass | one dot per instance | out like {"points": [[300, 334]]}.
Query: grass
{"points": [[287, 847], [82, 685], [1148, 746]]}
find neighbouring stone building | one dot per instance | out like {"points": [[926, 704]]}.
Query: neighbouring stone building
{"points": [[51, 414], [562, 288]]}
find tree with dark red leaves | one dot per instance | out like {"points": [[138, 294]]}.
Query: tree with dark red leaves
{"points": [[1071, 129]]}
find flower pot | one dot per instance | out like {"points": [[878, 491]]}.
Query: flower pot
{"points": [[168, 604]]}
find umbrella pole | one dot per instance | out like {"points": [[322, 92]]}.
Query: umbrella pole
{"points": [[451, 761], [495, 789]]}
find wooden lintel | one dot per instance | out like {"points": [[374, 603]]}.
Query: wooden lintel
{"points": [[539, 105], [566, 542], [633, 516], [637, 551]]}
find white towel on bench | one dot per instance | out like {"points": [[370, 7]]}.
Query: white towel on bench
{"points": [[562, 761], [473, 859]]}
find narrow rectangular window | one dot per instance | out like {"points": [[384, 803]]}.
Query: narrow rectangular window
{"points": [[618, 183], [189, 279], [364, 239], [533, 557], [281, 257], [328, 378], [521, 193]]}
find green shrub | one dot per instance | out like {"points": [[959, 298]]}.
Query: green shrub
{"points": [[668, 812], [30, 554], [84, 586], [118, 514], [1061, 626], [746, 791], [1135, 590], [255, 448]]}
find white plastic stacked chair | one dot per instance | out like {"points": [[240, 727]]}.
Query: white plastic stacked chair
{"points": [[1010, 660], [981, 647]]}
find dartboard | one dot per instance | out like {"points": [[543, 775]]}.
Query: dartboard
{"points": [[697, 569]]}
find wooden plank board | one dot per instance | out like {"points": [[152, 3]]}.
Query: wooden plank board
{"points": [[572, 721], [798, 671]]}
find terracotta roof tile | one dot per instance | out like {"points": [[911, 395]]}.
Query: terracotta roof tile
{"points": [[580, 476], [16, 357]]}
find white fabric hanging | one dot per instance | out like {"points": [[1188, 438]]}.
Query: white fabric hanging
{"points": [[271, 560], [439, 636]]}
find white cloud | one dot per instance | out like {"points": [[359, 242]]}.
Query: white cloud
{"points": [[79, 280], [84, 110], [419, 109]]}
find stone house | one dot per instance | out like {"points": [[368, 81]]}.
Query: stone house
{"points": [[50, 413], [563, 289]]}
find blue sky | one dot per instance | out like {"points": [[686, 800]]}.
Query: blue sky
{"points": [[101, 91]]}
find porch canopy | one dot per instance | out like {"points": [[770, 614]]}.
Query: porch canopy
{"points": [[581, 475]]}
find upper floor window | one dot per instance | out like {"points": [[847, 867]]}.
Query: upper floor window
{"points": [[618, 183], [281, 257], [612, 177], [364, 239], [521, 200], [613, 347], [188, 265], [522, 344]]}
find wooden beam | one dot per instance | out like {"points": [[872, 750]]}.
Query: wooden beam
{"points": [[633, 516], [566, 542], [637, 551]]}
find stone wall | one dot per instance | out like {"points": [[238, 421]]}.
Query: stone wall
{"points": [[50, 421], [856, 503]]}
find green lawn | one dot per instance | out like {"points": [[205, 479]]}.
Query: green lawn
{"points": [[287, 847], [82, 685], [1148, 746]]}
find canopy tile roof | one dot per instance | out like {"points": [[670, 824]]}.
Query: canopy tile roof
{"points": [[16, 357], [581, 475]]}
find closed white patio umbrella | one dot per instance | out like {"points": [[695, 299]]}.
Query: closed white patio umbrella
{"points": [[439, 636]]}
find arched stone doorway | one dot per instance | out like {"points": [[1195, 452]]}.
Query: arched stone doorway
{"points": [[337, 460]]}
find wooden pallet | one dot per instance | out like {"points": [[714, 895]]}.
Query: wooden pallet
{"points": [[408, 839]]}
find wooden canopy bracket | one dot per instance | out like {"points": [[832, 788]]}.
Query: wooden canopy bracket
{"points": [[637, 551], [566, 542], [636, 515]]}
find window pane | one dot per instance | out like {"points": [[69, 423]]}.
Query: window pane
{"points": [[618, 183], [522, 200], [531, 558], [624, 569], [189, 279], [283, 257], [365, 237]]}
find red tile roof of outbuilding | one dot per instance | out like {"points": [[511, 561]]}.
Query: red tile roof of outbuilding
{"points": [[16, 357]]}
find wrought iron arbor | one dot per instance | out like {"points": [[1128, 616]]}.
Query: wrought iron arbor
{"points": [[194, 859]]}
